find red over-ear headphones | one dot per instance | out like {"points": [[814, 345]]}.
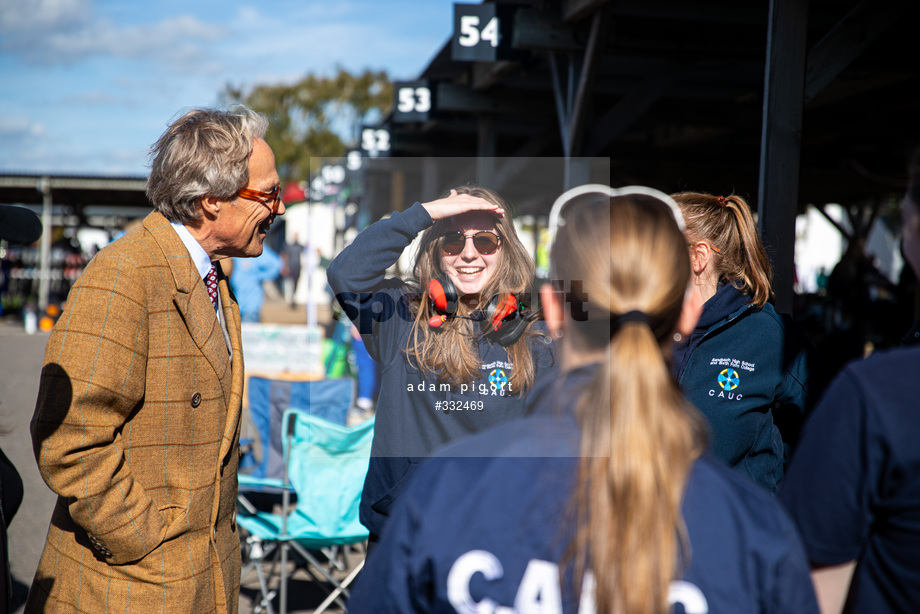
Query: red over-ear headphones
{"points": [[501, 319], [443, 298]]}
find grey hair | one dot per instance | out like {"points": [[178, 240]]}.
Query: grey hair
{"points": [[203, 153]]}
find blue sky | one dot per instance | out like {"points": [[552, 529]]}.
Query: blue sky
{"points": [[88, 85]]}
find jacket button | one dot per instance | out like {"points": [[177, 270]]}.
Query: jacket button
{"points": [[196, 399]]}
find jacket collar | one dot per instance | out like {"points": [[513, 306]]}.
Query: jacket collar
{"points": [[727, 301], [191, 297], [727, 304], [199, 256]]}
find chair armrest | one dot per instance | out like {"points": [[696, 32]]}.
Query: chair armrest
{"points": [[248, 482]]}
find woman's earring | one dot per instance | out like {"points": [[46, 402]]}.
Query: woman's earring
{"points": [[678, 337], [559, 332]]}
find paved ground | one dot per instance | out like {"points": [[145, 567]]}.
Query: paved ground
{"points": [[20, 365]]}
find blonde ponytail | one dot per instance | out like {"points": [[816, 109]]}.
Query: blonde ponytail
{"points": [[639, 436]]}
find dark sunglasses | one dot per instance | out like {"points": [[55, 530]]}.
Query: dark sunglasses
{"points": [[269, 199], [484, 241]]}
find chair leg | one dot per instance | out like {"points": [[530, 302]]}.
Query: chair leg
{"points": [[338, 589], [267, 595], [257, 555], [334, 595], [284, 576], [332, 553]]}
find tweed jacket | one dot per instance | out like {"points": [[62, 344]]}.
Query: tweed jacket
{"points": [[136, 428]]}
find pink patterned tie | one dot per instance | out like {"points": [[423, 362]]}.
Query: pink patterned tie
{"points": [[210, 281]]}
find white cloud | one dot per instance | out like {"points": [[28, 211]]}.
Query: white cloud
{"points": [[179, 41], [320, 37], [45, 156], [100, 98], [20, 18], [18, 128]]}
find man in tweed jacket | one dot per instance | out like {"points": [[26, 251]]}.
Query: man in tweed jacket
{"points": [[136, 426]]}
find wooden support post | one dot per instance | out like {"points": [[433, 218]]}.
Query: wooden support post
{"points": [[485, 151], [780, 146]]}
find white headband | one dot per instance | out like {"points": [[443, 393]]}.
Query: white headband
{"points": [[597, 188]]}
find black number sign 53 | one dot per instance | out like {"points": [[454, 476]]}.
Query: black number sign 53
{"points": [[414, 101]]}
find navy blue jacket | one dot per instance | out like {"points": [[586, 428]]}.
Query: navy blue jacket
{"points": [[854, 482], [750, 375], [415, 412], [488, 520]]}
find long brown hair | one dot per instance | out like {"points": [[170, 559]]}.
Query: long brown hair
{"points": [[639, 436], [449, 351], [728, 224]]}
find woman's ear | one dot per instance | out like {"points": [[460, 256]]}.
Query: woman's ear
{"points": [[700, 255], [552, 307]]}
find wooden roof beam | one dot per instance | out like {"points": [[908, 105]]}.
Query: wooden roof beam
{"points": [[539, 31], [621, 116], [575, 10], [848, 40], [739, 13], [487, 74], [459, 98]]}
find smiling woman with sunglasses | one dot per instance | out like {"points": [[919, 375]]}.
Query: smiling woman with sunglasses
{"points": [[446, 371]]}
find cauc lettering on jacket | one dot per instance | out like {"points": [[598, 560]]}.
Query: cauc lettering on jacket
{"points": [[539, 591], [731, 396]]}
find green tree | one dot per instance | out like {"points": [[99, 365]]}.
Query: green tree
{"points": [[317, 117]]}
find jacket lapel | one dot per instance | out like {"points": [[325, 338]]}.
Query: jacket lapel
{"points": [[233, 394], [191, 297]]}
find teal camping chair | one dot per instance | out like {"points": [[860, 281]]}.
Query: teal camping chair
{"points": [[324, 466], [268, 400]]}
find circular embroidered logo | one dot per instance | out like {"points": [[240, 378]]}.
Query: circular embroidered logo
{"points": [[498, 379], [728, 379]]}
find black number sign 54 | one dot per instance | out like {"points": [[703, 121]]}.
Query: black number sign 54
{"points": [[479, 33]]}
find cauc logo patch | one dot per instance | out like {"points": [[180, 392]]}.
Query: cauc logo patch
{"points": [[728, 379], [498, 379]]}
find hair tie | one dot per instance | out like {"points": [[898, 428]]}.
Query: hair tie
{"points": [[722, 200], [617, 321]]}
